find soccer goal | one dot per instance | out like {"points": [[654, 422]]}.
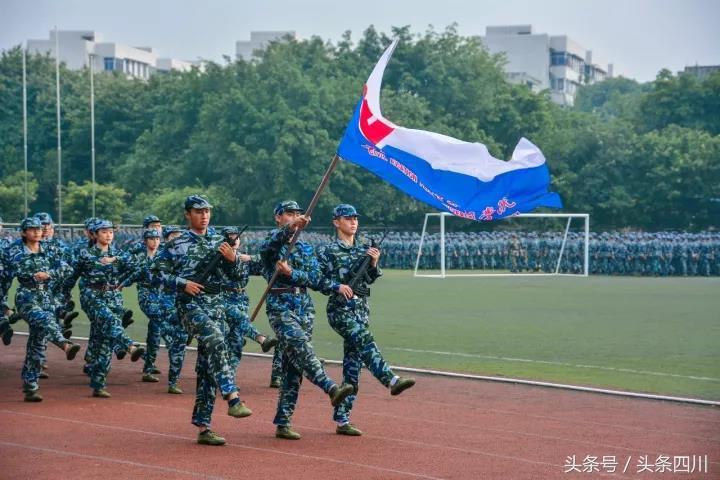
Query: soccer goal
{"points": [[530, 244]]}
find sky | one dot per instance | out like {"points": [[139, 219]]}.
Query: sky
{"points": [[639, 37]]}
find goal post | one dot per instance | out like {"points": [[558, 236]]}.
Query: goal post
{"points": [[552, 266]]}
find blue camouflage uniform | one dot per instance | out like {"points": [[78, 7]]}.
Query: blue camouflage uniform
{"points": [[237, 306], [202, 315], [34, 300], [291, 313], [350, 318], [158, 304], [103, 303]]}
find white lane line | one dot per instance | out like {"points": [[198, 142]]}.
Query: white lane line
{"points": [[236, 445], [514, 381], [108, 459], [549, 362]]}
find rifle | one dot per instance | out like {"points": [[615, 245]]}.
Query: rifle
{"points": [[358, 277], [212, 265]]}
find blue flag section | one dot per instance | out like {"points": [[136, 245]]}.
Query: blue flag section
{"points": [[449, 174]]}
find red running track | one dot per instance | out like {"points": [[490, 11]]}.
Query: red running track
{"points": [[440, 429]]}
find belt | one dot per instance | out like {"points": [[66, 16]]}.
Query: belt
{"points": [[233, 290], [35, 286], [103, 287], [293, 290]]}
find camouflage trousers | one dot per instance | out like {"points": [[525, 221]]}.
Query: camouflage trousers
{"points": [[292, 323], [203, 317], [239, 327], [37, 307], [105, 313], [277, 367], [359, 348], [58, 308], [164, 324]]}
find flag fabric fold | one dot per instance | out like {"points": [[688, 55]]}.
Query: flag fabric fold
{"points": [[459, 177]]}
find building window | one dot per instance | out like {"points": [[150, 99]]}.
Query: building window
{"points": [[560, 84], [109, 63], [558, 58]]}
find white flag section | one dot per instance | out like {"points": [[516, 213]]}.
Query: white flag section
{"points": [[450, 174]]}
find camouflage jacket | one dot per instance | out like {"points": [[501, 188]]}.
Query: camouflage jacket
{"points": [[305, 267], [184, 257], [336, 259], [19, 262], [88, 266]]}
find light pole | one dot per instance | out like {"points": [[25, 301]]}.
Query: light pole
{"points": [[92, 127], [59, 134]]}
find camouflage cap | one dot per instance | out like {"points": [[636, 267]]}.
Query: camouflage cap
{"points": [[44, 218], [101, 223], [89, 222], [196, 201], [230, 231], [170, 229], [150, 233], [30, 222], [287, 206], [150, 219], [345, 210]]}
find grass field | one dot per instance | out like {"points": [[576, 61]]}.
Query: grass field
{"points": [[659, 335]]}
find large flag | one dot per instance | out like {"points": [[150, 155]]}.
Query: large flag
{"points": [[451, 175]]}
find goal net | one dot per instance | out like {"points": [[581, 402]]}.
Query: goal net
{"points": [[531, 244]]}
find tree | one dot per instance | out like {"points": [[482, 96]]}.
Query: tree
{"points": [[110, 202], [12, 195]]}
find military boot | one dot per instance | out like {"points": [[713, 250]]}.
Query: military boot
{"points": [[7, 336], [208, 437], [69, 317], [268, 344], [101, 393], [72, 351], [239, 410], [402, 384], [275, 383], [137, 354], [127, 319], [150, 378], [175, 390], [348, 429], [339, 393], [33, 396], [286, 432]]}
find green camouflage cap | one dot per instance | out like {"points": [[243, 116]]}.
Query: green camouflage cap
{"points": [[100, 224], [150, 219], [169, 229], [196, 201], [44, 218], [345, 210], [287, 206], [150, 233], [30, 222]]}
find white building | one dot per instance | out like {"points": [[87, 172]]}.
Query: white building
{"points": [[543, 61], [78, 46], [259, 41]]}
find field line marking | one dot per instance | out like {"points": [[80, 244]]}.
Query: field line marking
{"points": [[108, 459], [237, 445], [518, 381], [549, 362]]}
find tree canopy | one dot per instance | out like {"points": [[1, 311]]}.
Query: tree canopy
{"points": [[251, 133]]}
